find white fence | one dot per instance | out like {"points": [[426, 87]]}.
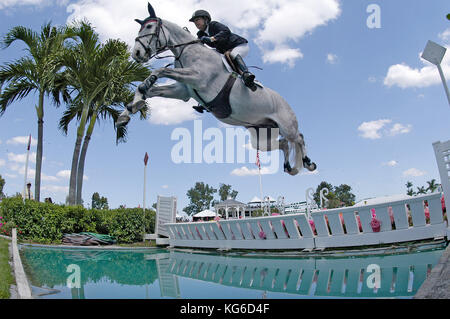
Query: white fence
{"points": [[294, 231]]}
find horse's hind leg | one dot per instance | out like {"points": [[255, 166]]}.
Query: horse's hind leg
{"points": [[310, 166]]}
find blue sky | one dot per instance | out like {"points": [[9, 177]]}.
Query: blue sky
{"points": [[368, 105]]}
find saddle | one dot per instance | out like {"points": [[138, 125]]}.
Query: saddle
{"points": [[220, 105]]}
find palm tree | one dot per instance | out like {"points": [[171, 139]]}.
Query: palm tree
{"points": [[421, 190], [432, 186], [39, 72], [410, 190], [102, 77]]}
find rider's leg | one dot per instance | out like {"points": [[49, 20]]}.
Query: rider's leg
{"points": [[237, 54]]}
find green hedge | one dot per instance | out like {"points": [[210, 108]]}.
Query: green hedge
{"points": [[46, 223]]}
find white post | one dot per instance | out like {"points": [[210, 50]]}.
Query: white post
{"points": [[145, 182], [26, 169], [444, 82]]}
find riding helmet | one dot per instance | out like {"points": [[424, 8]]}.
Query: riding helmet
{"points": [[200, 13]]}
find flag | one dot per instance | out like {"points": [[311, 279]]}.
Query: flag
{"points": [[145, 158], [257, 160], [29, 143]]}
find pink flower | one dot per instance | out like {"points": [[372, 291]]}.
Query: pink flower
{"points": [[313, 226], [427, 213], [373, 213], [375, 224], [217, 218], [262, 235], [2, 217], [443, 202]]}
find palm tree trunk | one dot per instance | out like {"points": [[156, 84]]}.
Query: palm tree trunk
{"points": [[76, 156], [82, 159], [39, 149]]}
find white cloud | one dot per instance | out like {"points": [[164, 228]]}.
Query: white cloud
{"points": [[10, 175], [413, 172], [20, 168], [48, 178], [391, 163], [274, 25], [63, 174], [16, 3], [371, 129], [165, 186], [377, 129], [2, 162], [445, 36], [170, 111], [331, 58], [400, 129], [21, 158], [21, 140], [244, 171], [55, 189], [405, 76]]}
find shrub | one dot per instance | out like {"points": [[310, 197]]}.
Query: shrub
{"points": [[47, 222]]}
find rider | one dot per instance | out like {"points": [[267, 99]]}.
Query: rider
{"points": [[219, 36]]}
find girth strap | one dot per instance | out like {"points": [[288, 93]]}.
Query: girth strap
{"points": [[220, 105]]}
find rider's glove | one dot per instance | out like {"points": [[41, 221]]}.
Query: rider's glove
{"points": [[206, 40]]}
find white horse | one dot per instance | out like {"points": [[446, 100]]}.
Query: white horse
{"points": [[200, 74]]}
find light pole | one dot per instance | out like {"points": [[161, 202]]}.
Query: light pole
{"points": [[434, 53]]}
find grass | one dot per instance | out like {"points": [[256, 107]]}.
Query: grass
{"points": [[6, 277]]}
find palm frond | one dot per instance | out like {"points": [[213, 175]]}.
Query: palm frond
{"points": [[15, 90]]}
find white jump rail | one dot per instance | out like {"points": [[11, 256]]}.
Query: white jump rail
{"points": [[294, 231]]}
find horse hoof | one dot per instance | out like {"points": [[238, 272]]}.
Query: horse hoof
{"points": [[287, 168], [122, 120], [293, 172], [312, 167]]}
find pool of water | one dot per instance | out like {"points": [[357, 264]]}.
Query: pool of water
{"points": [[126, 274]]}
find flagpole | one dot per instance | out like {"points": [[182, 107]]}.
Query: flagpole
{"points": [[26, 168], [260, 181]]}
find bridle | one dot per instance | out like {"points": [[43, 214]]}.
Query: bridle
{"points": [[159, 47]]}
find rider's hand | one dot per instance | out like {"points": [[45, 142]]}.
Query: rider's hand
{"points": [[206, 40]]}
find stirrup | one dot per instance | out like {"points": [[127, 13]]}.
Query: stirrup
{"points": [[198, 108]]}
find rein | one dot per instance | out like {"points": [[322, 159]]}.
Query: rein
{"points": [[159, 47]]}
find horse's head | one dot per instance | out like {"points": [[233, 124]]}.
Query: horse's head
{"points": [[150, 38]]}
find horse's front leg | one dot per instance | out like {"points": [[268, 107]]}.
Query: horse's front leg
{"points": [[174, 91]]}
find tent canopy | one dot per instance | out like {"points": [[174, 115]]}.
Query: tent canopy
{"points": [[205, 213]]}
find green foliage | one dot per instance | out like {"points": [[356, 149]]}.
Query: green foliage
{"points": [[2, 184], [99, 202], [200, 197], [225, 191], [337, 196], [432, 187], [6, 278], [47, 223]]}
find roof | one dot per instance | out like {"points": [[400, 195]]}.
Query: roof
{"points": [[229, 202], [382, 199], [205, 213], [255, 199]]}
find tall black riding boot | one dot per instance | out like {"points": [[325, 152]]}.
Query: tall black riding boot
{"points": [[246, 75]]}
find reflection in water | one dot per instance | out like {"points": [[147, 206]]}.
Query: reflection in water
{"points": [[175, 274]]}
